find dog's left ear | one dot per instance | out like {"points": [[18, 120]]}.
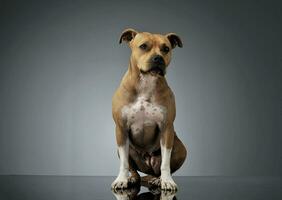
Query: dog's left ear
{"points": [[174, 40], [127, 35]]}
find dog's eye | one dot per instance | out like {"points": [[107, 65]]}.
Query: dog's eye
{"points": [[165, 49], [143, 46]]}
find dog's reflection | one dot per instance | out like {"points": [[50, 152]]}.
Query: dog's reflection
{"points": [[153, 194]]}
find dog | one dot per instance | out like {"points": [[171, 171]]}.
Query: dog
{"points": [[143, 109]]}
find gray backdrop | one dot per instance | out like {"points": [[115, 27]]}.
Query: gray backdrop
{"points": [[61, 62]]}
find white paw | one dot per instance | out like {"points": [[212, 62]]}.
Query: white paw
{"points": [[167, 183], [120, 183]]}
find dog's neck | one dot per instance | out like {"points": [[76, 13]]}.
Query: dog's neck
{"points": [[134, 81]]}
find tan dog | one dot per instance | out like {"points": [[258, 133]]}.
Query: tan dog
{"points": [[143, 109]]}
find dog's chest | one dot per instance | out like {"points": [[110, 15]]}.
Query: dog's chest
{"points": [[144, 114]]}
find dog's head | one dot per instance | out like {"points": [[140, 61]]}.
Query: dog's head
{"points": [[150, 52]]}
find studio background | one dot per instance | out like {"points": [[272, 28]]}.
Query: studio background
{"points": [[60, 63]]}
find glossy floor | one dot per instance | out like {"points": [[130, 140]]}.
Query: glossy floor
{"points": [[98, 188]]}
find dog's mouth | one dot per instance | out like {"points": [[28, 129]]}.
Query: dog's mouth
{"points": [[156, 70]]}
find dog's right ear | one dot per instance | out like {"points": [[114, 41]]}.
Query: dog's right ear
{"points": [[127, 35]]}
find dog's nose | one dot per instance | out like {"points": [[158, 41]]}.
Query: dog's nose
{"points": [[158, 60]]}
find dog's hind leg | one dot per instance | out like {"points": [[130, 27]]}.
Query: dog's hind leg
{"points": [[178, 154], [138, 162], [153, 179]]}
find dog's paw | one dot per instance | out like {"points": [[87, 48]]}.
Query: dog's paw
{"points": [[155, 182], [167, 183], [120, 183]]}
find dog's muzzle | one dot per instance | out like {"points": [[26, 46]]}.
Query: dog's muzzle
{"points": [[157, 66]]}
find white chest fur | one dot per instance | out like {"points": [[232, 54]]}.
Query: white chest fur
{"points": [[144, 111]]}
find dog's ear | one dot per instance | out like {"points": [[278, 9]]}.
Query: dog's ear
{"points": [[174, 40], [127, 35]]}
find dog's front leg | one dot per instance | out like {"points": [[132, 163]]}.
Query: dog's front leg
{"points": [[167, 140], [121, 181]]}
